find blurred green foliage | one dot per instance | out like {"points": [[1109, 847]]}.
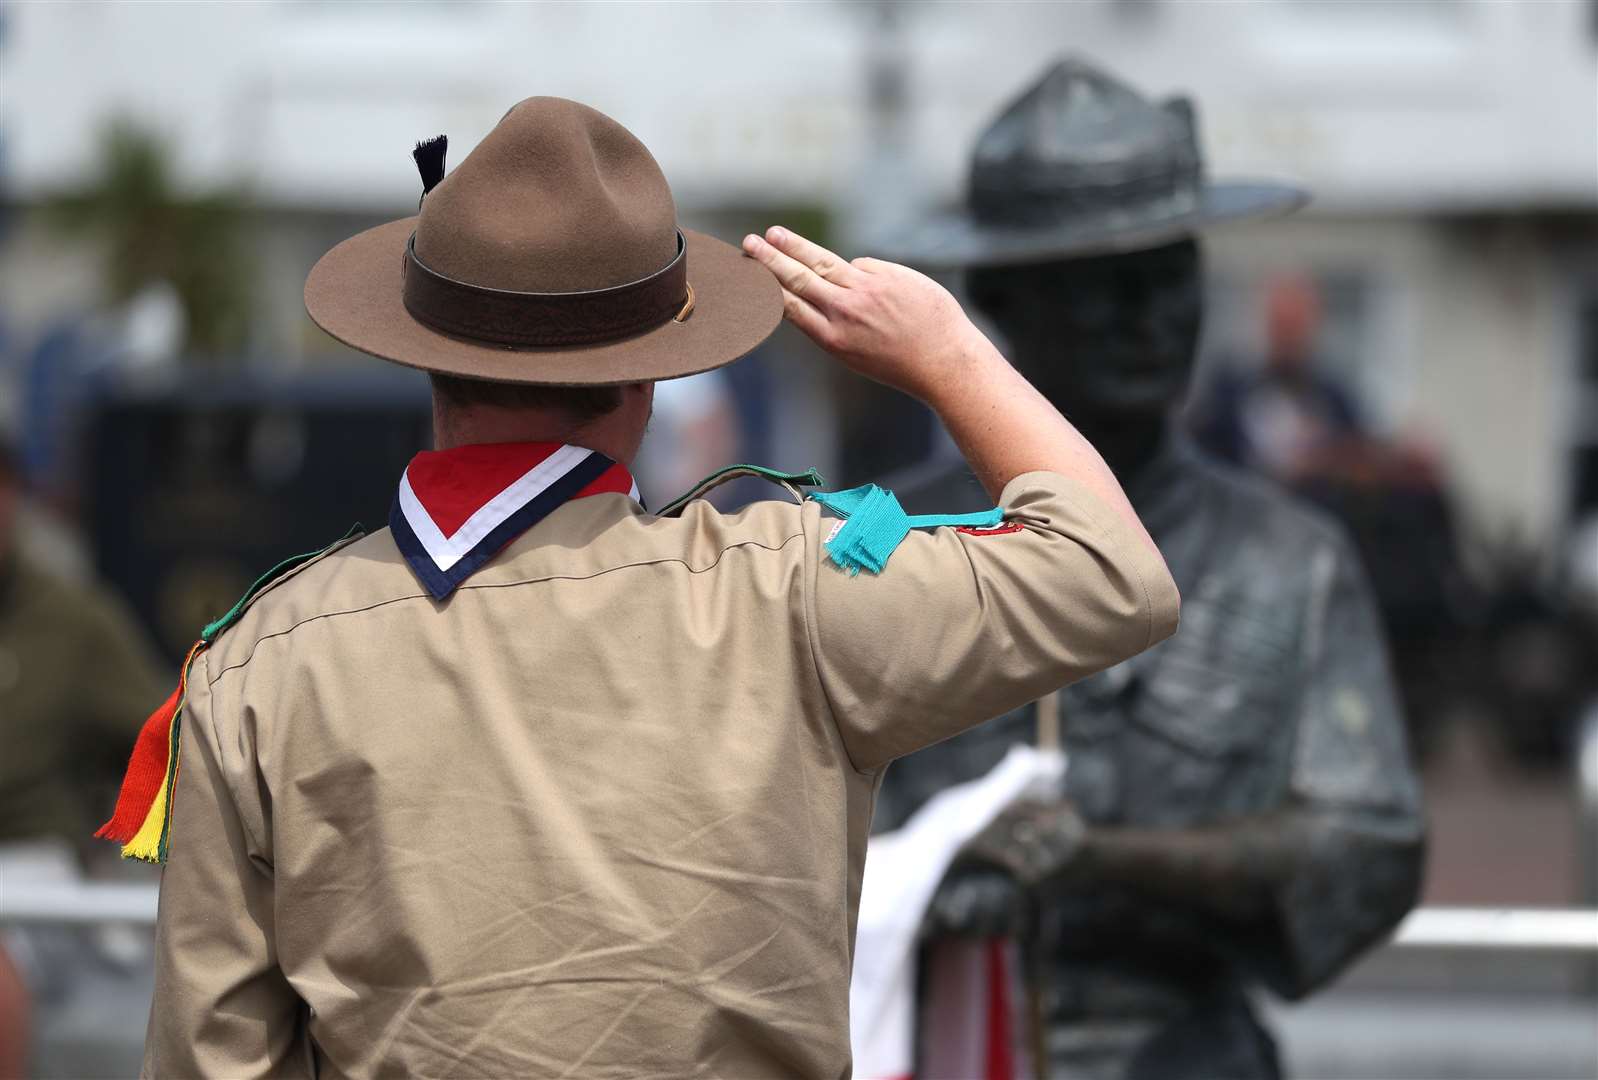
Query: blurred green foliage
{"points": [[153, 232]]}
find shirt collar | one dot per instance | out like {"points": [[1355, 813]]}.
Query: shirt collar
{"points": [[457, 508]]}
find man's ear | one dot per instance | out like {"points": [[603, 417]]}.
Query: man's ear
{"points": [[642, 396]]}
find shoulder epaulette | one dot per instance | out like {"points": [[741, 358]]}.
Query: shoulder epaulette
{"points": [[791, 482], [143, 815], [875, 525]]}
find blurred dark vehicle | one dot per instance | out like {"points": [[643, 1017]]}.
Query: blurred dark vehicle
{"points": [[1536, 657], [193, 493]]}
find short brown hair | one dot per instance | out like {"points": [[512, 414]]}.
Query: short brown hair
{"points": [[581, 403]]}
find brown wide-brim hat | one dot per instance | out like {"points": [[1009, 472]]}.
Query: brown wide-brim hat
{"points": [[550, 255]]}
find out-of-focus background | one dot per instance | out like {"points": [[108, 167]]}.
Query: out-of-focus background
{"points": [[170, 172]]}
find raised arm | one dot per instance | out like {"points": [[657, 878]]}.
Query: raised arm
{"points": [[964, 625]]}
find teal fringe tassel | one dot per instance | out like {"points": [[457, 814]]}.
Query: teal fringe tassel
{"points": [[875, 525]]}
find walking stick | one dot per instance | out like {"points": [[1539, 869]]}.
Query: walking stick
{"points": [[1049, 722], [1033, 965]]}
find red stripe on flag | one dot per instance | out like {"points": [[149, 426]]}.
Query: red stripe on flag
{"points": [[1001, 1049]]}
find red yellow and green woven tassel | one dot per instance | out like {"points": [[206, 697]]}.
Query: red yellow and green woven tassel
{"points": [[144, 808], [143, 816]]}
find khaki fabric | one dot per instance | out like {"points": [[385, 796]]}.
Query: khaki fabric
{"points": [[603, 812]]}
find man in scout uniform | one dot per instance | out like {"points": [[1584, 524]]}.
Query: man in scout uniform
{"points": [[1240, 807], [535, 782]]}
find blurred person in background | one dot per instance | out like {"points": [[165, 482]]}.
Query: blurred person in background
{"points": [[1286, 414], [76, 678], [535, 782], [693, 431], [1239, 805]]}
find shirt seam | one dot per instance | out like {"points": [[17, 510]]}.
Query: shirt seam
{"points": [[252, 839], [501, 585], [812, 566]]}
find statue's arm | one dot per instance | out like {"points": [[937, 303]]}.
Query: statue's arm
{"points": [[1231, 871], [1293, 896]]}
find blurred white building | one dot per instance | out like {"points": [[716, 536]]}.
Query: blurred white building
{"points": [[1452, 146]]}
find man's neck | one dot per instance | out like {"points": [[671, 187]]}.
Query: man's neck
{"points": [[478, 425]]}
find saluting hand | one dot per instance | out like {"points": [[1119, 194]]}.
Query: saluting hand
{"points": [[886, 321], [901, 328]]}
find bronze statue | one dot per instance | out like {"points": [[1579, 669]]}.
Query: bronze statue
{"points": [[1240, 805]]}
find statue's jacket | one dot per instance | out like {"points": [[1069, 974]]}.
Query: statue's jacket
{"points": [[1273, 706], [603, 810]]}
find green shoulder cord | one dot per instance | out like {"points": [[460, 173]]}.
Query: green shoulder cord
{"points": [[789, 482]]}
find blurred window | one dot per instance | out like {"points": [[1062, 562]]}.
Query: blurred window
{"points": [[1417, 13], [409, 7], [1398, 42]]}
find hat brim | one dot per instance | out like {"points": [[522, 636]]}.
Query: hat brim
{"points": [[955, 239], [354, 293]]}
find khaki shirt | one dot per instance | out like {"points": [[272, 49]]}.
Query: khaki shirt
{"points": [[603, 812]]}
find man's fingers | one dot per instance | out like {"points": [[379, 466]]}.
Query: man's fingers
{"points": [[803, 315], [793, 275], [821, 261], [802, 306]]}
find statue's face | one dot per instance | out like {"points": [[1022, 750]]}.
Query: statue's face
{"points": [[1103, 336]]}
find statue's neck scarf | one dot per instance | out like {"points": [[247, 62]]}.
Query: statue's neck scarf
{"points": [[456, 509]]}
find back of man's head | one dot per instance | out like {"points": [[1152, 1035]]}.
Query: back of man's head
{"points": [[608, 418]]}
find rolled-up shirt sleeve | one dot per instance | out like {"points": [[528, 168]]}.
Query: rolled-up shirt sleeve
{"points": [[962, 626]]}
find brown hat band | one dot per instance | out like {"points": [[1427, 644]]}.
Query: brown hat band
{"points": [[542, 319]]}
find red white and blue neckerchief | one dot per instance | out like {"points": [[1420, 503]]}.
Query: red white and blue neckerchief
{"points": [[457, 508]]}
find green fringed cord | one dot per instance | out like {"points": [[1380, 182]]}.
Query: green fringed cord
{"points": [[171, 787], [212, 629], [789, 481], [875, 525]]}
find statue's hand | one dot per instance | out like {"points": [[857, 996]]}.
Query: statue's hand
{"points": [[977, 901], [1034, 842]]}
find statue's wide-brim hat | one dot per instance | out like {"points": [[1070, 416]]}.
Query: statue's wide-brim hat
{"points": [[1078, 165], [550, 255]]}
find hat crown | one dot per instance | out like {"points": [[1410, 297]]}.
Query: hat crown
{"points": [[558, 197], [1079, 145]]}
